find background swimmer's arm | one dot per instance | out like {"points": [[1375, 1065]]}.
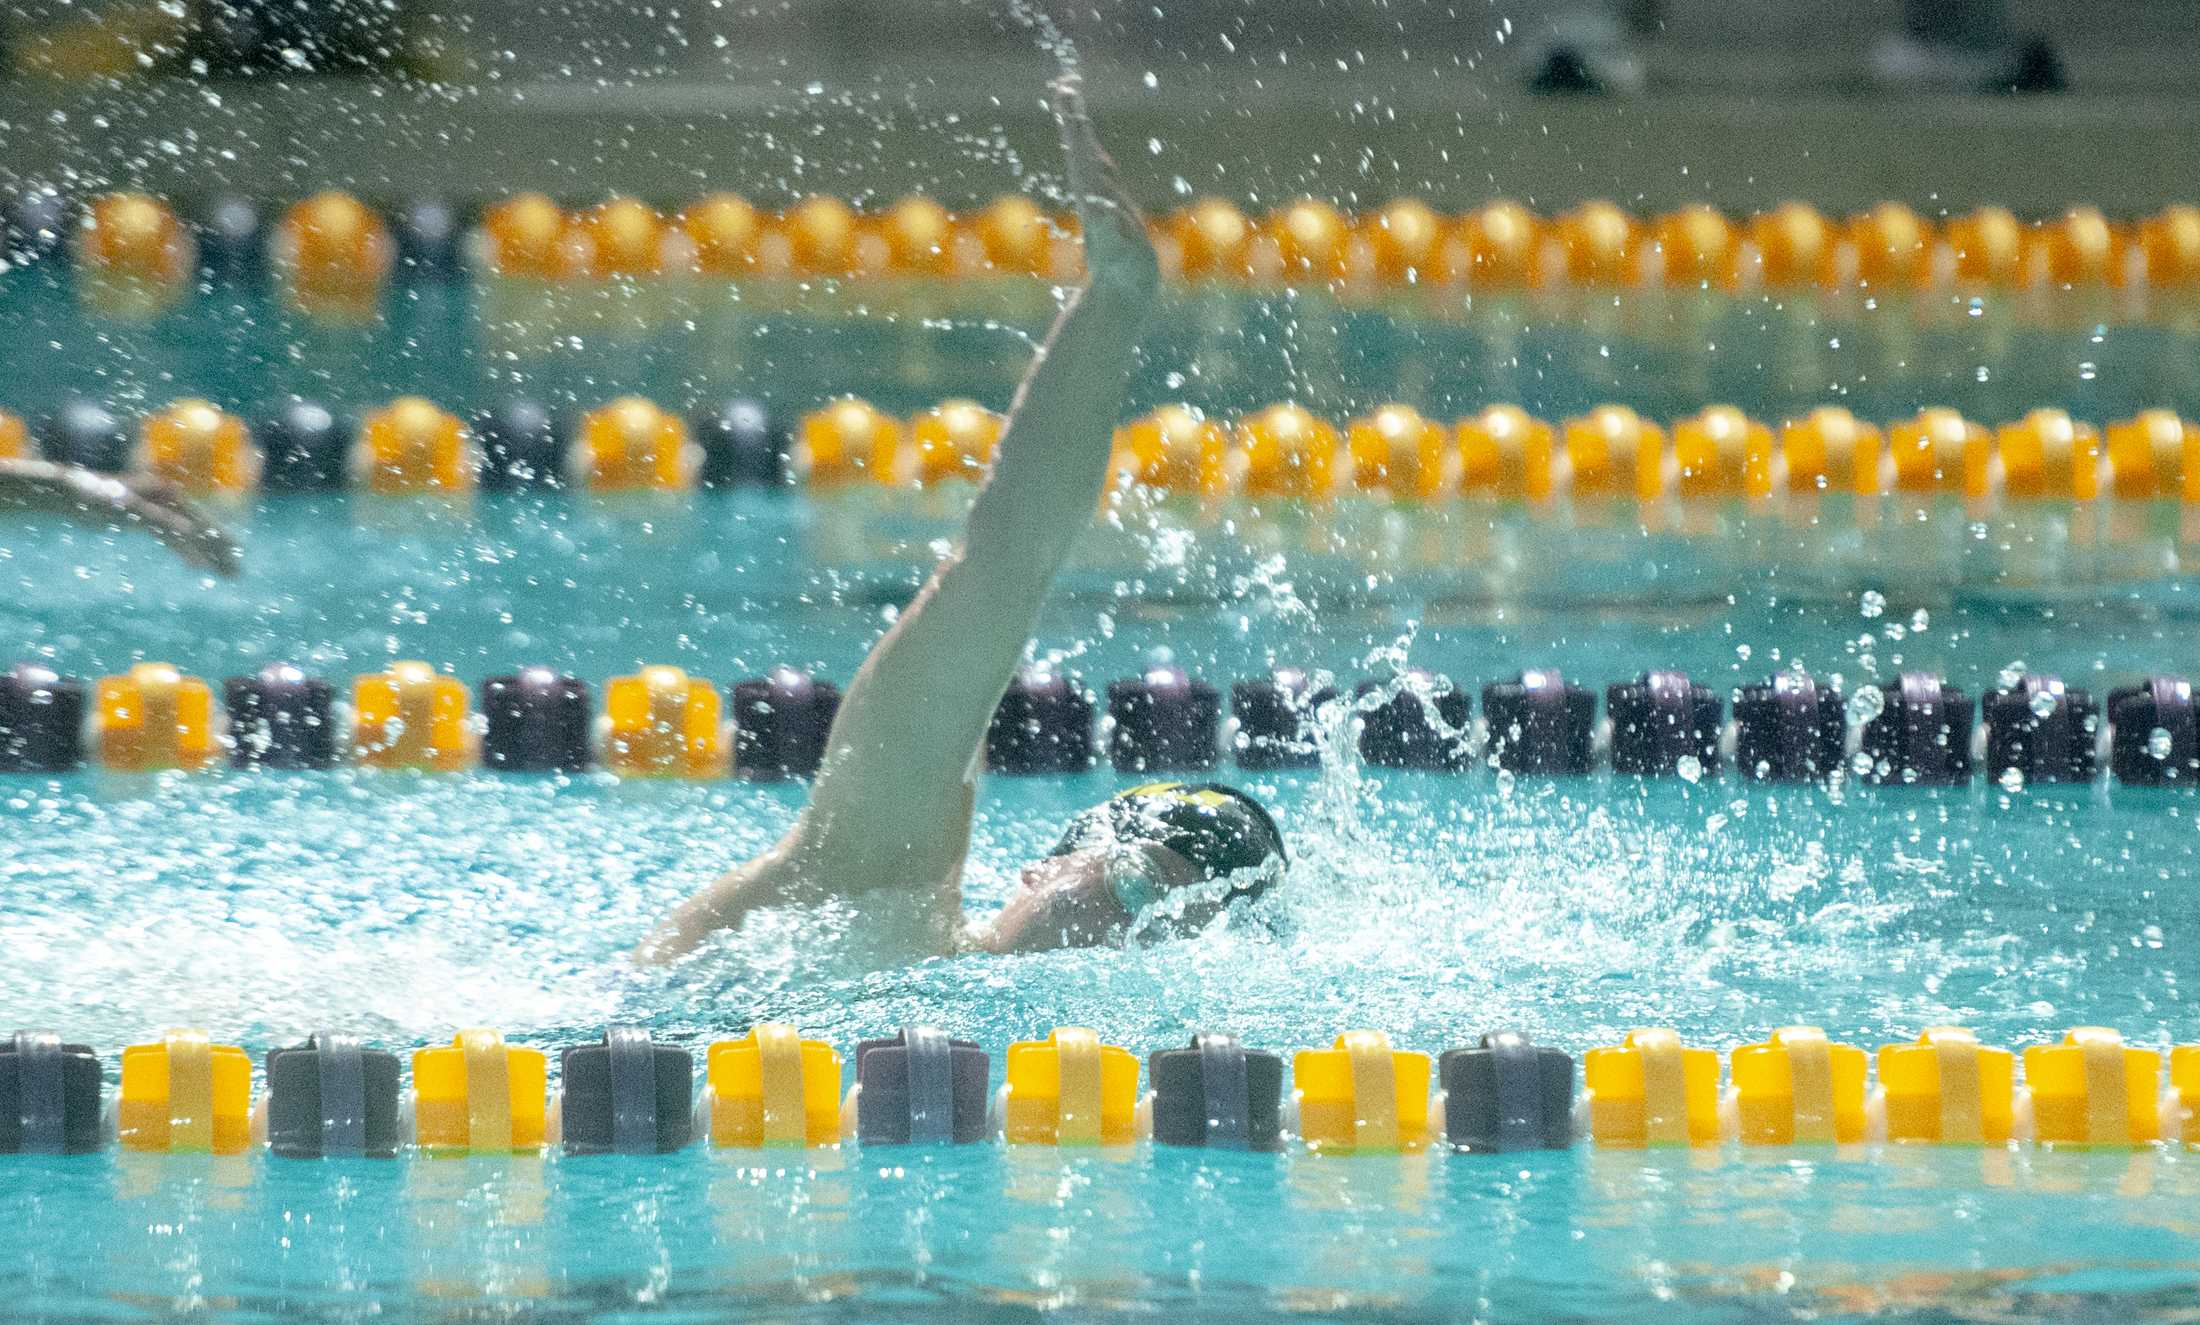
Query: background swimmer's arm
{"points": [[892, 801], [102, 499]]}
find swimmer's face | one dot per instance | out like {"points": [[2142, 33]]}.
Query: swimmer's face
{"points": [[1066, 901]]}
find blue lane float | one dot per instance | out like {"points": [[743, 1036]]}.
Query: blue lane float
{"points": [[1540, 724], [1921, 735], [88, 434], [1660, 722], [627, 1095], [744, 446], [1424, 725], [1216, 1094], [522, 445], [1275, 717], [780, 724], [305, 446], [1044, 724], [431, 239], [49, 1096], [536, 720], [1164, 721], [2153, 741], [279, 717], [41, 720], [2041, 730], [1507, 1094], [1790, 728], [332, 1098], [921, 1087], [231, 235], [34, 223]]}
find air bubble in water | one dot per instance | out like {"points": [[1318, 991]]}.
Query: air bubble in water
{"points": [[2160, 743], [1690, 768], [1867, 703], [1920, 621], [1875, 603], [2043, 703], [2012, 676], [2012, 778]]}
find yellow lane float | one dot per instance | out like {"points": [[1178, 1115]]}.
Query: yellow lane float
{"points": [[844, 441], [1286, 451], [661, 722], [1069, 1090], [198, 448], [1360, 1096], [185, 1095], [1507, 454], [333, 253], [1796, 1088], [1946, 1089], [1174, 449], [633, 445], [952, 440], [1649, 1090], [1721, 452], [1396, 450], [479, 1096], [412, 716], [155, 717], [2093, 1090], [411, 446], [774, 1089]]}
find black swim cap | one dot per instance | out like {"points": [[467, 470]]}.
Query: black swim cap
{"points": [[1219, 829]]}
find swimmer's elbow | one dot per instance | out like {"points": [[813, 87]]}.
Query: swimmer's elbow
{"points": [[722, 905]]}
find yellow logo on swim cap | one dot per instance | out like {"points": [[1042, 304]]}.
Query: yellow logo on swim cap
{"points": [[1204, 797]]}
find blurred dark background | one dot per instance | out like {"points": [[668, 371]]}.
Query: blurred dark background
{"points": [[1941, 103]]}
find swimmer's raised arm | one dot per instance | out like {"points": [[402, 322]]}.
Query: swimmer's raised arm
{"points": [[92, 498], [918, 708], [891, 807]]}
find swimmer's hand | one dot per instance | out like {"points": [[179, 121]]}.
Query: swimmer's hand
{"points": [[92, 498], [1118, 252]]}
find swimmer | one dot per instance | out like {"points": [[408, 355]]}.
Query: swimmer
{"points": [[41, 487], [888, 820]]}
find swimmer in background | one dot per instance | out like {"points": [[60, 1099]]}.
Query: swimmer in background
{"points": [[44, 488], [887, 825]]}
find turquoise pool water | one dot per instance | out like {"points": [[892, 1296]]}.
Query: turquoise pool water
{"points": [[1434, 907], [905, 345]]}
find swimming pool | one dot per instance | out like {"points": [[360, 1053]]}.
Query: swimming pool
{"points": [[1436, 907]]}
